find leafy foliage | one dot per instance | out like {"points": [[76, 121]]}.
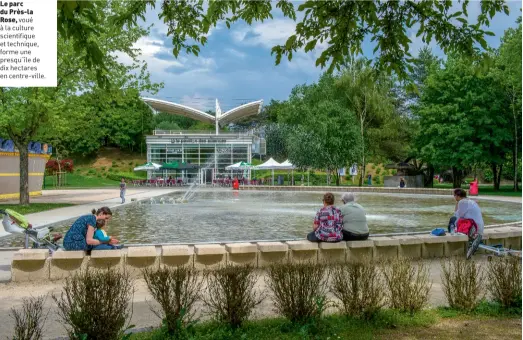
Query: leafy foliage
{"points": [[324, 133], [231, 297], [359, 287], [408, 285], [89, 42], [338, 28], [504, 281], [96, 304], [299, 290], [176, 290], [462, 282], [463, 118]]}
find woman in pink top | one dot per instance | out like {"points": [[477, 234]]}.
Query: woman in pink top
{"points": [[328, 223]]}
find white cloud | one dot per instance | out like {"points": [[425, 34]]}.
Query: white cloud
{"points": [[267, 34], [235, 53], [149, 49], [198, 101]]}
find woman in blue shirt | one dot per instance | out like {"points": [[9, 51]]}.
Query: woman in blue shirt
{"points": [[81, 234]]}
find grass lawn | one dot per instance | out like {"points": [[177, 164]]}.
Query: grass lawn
{"points": [[433, 324], [82, 181], [486, 189], [34, 207]]}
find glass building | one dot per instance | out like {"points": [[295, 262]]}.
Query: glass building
{"points": [[212, 153]]}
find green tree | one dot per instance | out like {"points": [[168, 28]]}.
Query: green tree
{"points": [[464, 120], [276, 136], [423, 65], [366, 93], [508, 62], [26, 111], [323, 131]]}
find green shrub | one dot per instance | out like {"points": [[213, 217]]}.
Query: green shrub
{"points": [[488, 176], [118, 177], [394, 172], [378, 170], [373, 166], [504, 281], [130, 163], [30, 320], [96, 304], [91, 172], [115, 166], [462, 283], [176, 290], [231, 297], [359, 287], [408, 286], [299, 290], [377, 180]]}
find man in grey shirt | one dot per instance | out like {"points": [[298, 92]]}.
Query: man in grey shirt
{"points": [[354, 219], [123, 189]]}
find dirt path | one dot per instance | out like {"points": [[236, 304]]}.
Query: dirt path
{"points": [[462, 329]]}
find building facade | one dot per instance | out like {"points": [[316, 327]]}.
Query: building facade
{"points": [[212, 153]]}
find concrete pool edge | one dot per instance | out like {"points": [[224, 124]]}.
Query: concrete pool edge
{"points": [[37, 265]]}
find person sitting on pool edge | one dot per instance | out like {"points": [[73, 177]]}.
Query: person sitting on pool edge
{"points": [[328, 223], [355, 226], [105, 241], [466, 209]]}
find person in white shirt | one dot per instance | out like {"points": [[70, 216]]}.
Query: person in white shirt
{"points": [[466, 209]]}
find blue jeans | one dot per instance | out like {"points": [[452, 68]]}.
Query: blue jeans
{"points": [[122, 196], [105, 246]]}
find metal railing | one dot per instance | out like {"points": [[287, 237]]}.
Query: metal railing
{"points": [[199, 132]]}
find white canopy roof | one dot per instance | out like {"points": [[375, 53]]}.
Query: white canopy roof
{"points": [[239, 112], [286, 165], [271, 164]]}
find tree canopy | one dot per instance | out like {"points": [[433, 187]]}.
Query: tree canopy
{"points": [[464, 119], [338, 27], [26, 112]]}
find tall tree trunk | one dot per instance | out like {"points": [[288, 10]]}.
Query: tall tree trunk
{"points": [[429, 180], [362, 121], [362, 174], [456, 177], [337, 177], [24, 173], [515, 150], [498, 182], [496, 176]]}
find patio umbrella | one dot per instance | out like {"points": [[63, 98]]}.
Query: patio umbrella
{"points": [[169, 166], [148, 166], [239, 166]]}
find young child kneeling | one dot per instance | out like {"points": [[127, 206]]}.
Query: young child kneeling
{"points": [[101, 235]]}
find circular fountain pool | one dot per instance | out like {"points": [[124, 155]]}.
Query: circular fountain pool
{"points": [[224, 215]]}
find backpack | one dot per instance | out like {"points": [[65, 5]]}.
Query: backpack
{"points": [[467, 226]]}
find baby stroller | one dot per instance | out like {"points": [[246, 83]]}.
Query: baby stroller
{"points": [[15, 223]]}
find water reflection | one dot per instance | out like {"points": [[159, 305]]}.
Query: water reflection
{"points": [[246, 215]]}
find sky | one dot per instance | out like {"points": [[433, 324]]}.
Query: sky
{"points": [[236, 66]]}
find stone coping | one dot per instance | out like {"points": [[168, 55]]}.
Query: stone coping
{"points": [[391, 190], [37, 264]]}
